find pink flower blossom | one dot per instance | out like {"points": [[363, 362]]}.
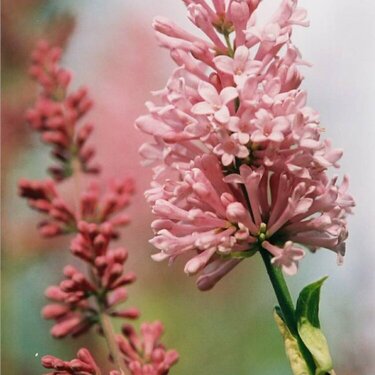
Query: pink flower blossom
{"points": [[268, 128], [230, 148], [72, 308], [244, 169], [214, 103], [44, 197], [240, 66], [144, 354], [85, 299], [84, 364], [287, 258], [56, 114]]}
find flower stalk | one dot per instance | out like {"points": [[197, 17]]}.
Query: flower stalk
{"points": [[107, 327], [83, 300], [239, 160], [285, 301]]}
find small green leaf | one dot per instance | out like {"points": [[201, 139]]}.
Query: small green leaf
{"points": [[308, 302], [297, 362], [307, 315], [243, 254], [240, 254]]}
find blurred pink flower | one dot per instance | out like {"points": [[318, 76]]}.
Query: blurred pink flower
{"points": [[144, 354], [92, 206], [84, 364], [81, 300], [56, 114]]}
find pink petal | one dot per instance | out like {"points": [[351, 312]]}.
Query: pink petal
{"points": [[222, 115], [208, 93], [233, 179], [240, 57], [243, 138], [227, 159], [228, 94], [209, 279], [290, 269], [276, 136], [202, 108], [280, 124], [197, 130], [273, 87], [243, 152], [309, 143], [252, 67], [219, 149], [224, 64], [271, 32], [303, 205], [152, 126], [263, 115], [233, 124], [258, 137], [150, 151], [159, 257], [249, 88], [198, 262]]}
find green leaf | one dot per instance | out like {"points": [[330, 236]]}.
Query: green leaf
{"points": [[308, 325], [239, 254], [297, 362]]}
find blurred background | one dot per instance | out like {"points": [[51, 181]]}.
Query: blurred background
{"points": [[111, 49]]}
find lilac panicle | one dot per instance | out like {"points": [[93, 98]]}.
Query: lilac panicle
{"points": [[58, 112], [84, 299], [144, 354], [239, 161]]}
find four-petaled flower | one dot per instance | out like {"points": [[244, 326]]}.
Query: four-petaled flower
{"points": [[214, 103], [240, 66]]}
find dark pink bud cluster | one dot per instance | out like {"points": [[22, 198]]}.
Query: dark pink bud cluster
{"points": [[71, 308], [91, 245], [45, 69], [109, 206], [56, 114], [91, 298], [84, 364], [144, 354], [78, 301], [92, 241], [44, 197]]}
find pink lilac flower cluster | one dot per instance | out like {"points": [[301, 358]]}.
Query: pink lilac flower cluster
{"points": [[84, 299], [84, 364], [93, 206], [56, 114], [72, 307], [239, 163], [145, 354]]}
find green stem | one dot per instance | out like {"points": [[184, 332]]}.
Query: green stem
{"points": [[286, 305], [104, 318], [229, 44], [107, 327], [106, 324]]}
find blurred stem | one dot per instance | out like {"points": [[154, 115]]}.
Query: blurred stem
{"points": [[109, 335], [76, 174], [104, 318], [286, 305], [229, 44], [107, 327]]}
